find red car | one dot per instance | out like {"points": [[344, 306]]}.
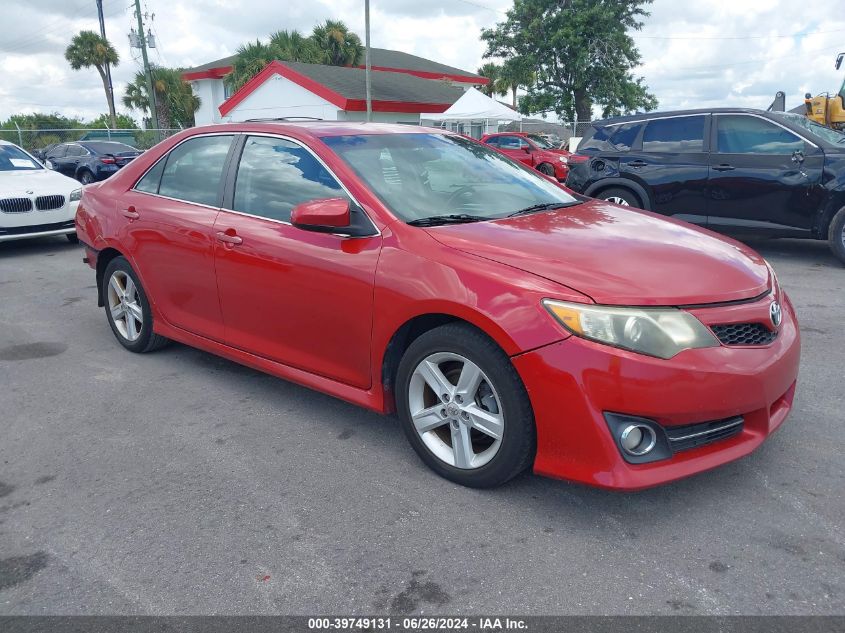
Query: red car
{"points": [[533, 150], [509, 323]]}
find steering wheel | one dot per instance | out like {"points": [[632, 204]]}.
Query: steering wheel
{"points": [[460, 191]]}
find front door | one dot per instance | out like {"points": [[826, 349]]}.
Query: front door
{"points": [[168, 221], [764, 178], [297, 297], [517, 148]]}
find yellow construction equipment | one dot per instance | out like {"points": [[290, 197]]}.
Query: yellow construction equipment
{"points": [[827, 109]]}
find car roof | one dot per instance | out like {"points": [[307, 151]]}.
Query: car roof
{"points": [[645, 116], [319, 129]]}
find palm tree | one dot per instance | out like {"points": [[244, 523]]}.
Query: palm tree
{"points": [[491, 71], [293, 46], [515, 73], [175, 101], [88, 49], [251, 60], [339, 46]]}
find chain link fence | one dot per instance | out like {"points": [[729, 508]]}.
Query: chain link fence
{"points": [[35, 140]]}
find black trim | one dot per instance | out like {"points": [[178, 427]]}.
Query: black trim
{"points": [[719, 304], [37, 228], [230, 172]]}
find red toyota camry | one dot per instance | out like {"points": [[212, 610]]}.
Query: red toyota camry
{"points": [[509, 323]]}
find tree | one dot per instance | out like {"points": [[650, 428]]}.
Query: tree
{"points": [[175, 101], [491, 71], [580, 52], [515, 73], [293, 46], [121, 121], [251, 60], [88, 49], [339, 46]]}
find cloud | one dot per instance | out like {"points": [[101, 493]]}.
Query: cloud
{"points": [[695, 54]]}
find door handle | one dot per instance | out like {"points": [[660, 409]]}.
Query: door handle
{"points": [[229, 238], [637, 163], [724, 167], [130, 213]]}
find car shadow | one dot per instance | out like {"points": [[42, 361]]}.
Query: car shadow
{"points": [[811, 252], [37, 246]]}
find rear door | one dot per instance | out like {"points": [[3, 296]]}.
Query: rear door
{"points": [[671, 160], [297, 297], [758, 181], [56, 158], [169, 224]]}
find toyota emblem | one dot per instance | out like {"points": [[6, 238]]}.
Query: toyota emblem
{"points": [[775, 313]]}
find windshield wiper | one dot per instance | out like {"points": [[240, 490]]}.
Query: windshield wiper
{"points": [[452, 218], [545, 206]]}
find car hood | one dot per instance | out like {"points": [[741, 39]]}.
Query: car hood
{"points": [[38, 181], [617, 256]]}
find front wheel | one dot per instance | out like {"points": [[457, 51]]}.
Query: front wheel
{"points": [[128, 309], [622, 197], [86, 177], [464, 408], [836, 235], [545, 168]]}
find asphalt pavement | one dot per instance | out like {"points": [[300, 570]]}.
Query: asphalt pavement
{"points": [[180, 483]]}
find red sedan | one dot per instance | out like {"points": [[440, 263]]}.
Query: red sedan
{"points": [[532, 150], [510, 323]]}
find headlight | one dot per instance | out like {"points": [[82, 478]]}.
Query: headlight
{"points": [[75, 195], [563, 159], [660, 332]]}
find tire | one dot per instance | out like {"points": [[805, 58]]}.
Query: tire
{"points": [[545, 168], [139, 336], [620, 196], [73, 238], [836, 235], [498, 394], [86, 177]]}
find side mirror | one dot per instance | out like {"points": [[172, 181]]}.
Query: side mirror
{"points": [[331, 215]]}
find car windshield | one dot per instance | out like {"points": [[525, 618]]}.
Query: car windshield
{"points": [[424, 175], [819, 131], [540, 141], [15, 159]]}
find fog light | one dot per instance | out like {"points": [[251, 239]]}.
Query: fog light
{"points": [[637, 439]]}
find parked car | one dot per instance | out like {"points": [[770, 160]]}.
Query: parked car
{"points": [[41, 152], [532, 150], [736, 171], [510, 323], [34, 202], [90, 161]]}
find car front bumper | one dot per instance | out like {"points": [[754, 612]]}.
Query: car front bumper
{"points": [[574, 383]]}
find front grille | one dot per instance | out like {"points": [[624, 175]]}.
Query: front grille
{"points": [[15, 205], [36, 228], [682, 438], [744, 334], [47, 203]]}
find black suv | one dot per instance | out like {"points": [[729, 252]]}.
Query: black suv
{"points": [[89, 161], [736, 171]]}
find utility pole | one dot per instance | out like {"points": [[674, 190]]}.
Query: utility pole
{"points": [[108, 68], [367, 58], [142, 41]]}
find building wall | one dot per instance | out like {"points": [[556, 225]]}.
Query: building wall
{"points": [[280, 97], [411, 118], [212, 93]]}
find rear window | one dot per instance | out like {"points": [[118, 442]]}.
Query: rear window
{"points": [[110, 147], [683, 134]]}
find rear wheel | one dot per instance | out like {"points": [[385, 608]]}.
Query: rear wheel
{"points": [[86, 177], [836, 235], [547, 169], [464, 408], [128, 309], [622, 197]]}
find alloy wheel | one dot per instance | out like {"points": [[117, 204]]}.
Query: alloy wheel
{"points": [[456, 410], [125, 305], [617, 200]]}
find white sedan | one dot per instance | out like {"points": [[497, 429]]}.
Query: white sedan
{"points": [[34, 201]]}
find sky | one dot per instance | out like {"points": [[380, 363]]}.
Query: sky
{"points": [[695, 54]]}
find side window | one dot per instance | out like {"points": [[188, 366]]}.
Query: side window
{"points": [[149, 183], [678, 135], [493, 142], [194, 169], [59, 151], [596, 139], [626, 135], [275, 175], [75, 150], [750, 135]]}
